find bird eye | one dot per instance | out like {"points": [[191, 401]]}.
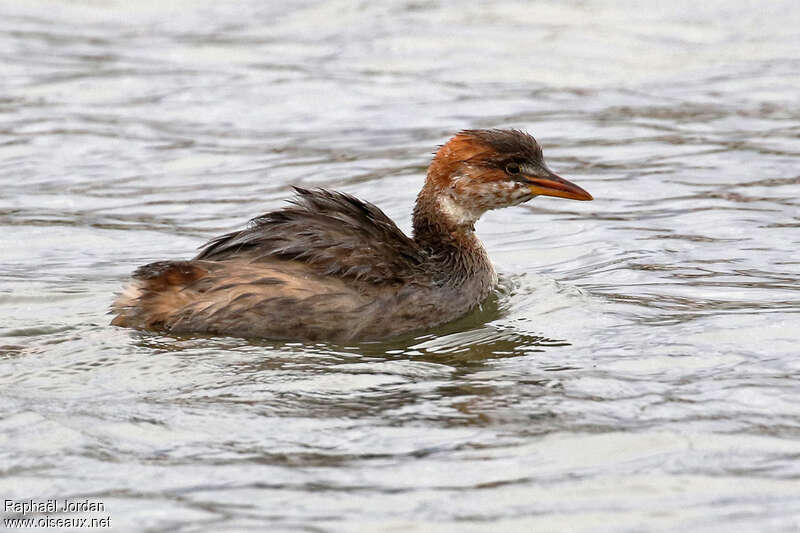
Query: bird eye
{"points": [[512, 168]]}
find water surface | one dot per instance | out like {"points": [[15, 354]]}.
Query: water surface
{"points": [[637, 370]]}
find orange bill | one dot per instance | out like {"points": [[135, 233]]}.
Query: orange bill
{"points": [[551, 184]]}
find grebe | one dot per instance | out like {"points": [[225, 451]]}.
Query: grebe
{"points": [[332, 267]]}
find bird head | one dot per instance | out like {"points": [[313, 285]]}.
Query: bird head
{"points": [[479, 170]]}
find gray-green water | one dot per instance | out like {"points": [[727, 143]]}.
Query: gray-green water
{"points": [[638, 371]]}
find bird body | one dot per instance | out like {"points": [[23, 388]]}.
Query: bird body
{"points": [[332, 267]]}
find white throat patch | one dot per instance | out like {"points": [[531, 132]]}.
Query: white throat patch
{"points": [[457, 214]]}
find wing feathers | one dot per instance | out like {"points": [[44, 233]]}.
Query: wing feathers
{"points": [[335, 233]]}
